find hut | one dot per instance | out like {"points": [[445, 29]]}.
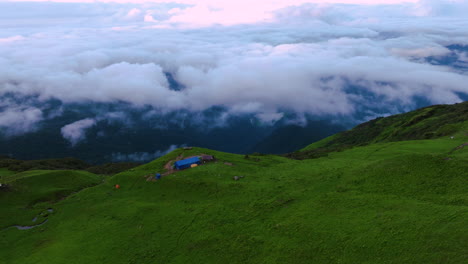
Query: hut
{"points": [[186, 163], [207, 158]]}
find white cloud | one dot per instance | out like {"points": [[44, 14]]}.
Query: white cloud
{"points": [[142, 156], [11, 39], [76, 131], [17, 119], [292, 57]]}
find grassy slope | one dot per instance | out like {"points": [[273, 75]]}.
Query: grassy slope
{"points": [[425, 123], [31, 192], [398, 202], [4, 173]]}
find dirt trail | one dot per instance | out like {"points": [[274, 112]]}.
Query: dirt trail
{"points": [[169, 167], [459, 147], [462, 146], [19, 227]]}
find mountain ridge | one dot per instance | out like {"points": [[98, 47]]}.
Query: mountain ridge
{"points": [[425, 123]]}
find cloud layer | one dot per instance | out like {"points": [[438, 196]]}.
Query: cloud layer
{"points": [[313, 58], [142, 156]]}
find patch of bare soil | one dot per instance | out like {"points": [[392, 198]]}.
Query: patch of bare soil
{"points": [[459, 147], [169, 166], [462, 146], [149, 177], [44, 214]]}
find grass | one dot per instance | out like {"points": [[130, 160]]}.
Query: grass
{"points": [[5, 173], [31, 192], [426, 123], [394, 202]]}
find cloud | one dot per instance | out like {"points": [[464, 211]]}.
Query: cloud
{"points": [[18, 119], [75, 132], [276, 57], [11, 39], [442, 8], [142, 156]]}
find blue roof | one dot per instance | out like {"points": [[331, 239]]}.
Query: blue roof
{"points": [[187, 161]]}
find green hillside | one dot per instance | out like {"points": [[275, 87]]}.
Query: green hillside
{"points": [[425, 123], [381, 201], [25, 195]]}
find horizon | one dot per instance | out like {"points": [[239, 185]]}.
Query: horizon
{"points": [[82, 67]]}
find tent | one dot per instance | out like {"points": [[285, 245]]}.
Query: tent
{"points": [[186, 163]]}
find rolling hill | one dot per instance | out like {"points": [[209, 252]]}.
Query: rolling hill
{"points": [[393, 190], [425, 123]]}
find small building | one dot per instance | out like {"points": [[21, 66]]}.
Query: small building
{"points": [[186, 163], [207, 158]]}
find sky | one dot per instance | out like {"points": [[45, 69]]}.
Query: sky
{"points": [[262, 57]]}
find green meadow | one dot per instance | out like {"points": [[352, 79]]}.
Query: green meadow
{"points": [[382, 202], [401, 202]]}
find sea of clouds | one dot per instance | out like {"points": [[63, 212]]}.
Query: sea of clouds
{"points": [[322, 59]]}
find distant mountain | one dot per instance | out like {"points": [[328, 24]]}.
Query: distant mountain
{"points": [[15, 165], [136, 135], [289, 138], [121, 132]]}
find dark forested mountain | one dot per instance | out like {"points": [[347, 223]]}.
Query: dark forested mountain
{"points": [[129, 134], [122, 133]]}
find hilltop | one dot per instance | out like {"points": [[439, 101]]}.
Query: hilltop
{"points": [[425, 123], [394, 191]]}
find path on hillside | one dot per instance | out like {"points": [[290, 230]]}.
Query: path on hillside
{"points": [[44, 213], [459, 147], [169, 166]]}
